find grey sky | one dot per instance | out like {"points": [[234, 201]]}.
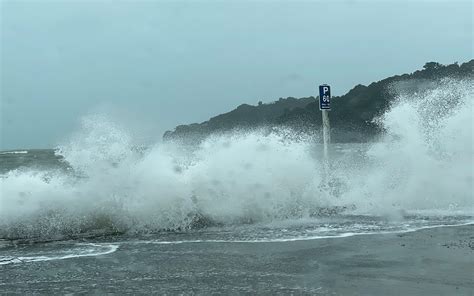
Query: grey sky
{"points": [[151, 65]]}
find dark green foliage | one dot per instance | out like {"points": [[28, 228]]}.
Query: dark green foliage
{"points": [[243, 117], [352, 114]]}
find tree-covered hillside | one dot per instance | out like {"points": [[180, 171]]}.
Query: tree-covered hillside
{"points": [[352, 114]]}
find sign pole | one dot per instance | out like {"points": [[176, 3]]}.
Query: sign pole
{"points": [[326, 132], [325, 107]]}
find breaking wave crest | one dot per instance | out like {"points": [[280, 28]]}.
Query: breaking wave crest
{"points": [[14, 152], [423, 163]]}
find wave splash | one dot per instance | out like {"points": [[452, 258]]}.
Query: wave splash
{"points": [[422, 163]]}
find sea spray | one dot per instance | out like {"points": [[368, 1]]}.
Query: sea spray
{"points": [[425, 159], [422, 163]]}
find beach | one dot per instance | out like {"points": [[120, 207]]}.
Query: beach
{"points": [[436, 261]]}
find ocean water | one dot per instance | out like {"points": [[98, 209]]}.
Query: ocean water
{"points": [[98, 191]]}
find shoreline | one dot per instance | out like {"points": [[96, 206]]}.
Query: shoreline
{"points": [[435, 261], [92, 237]]}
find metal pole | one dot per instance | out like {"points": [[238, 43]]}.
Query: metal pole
{"points": [[325, 106], [326, 133]]}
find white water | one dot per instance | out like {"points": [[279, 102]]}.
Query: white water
{"points": [[59, 252], [424, 164], [14, 152], [322, 234]]}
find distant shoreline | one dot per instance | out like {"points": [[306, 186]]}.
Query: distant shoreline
{"points": [[352, 115]]}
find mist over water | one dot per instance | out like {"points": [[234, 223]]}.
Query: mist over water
{"points": [[423, 165]]}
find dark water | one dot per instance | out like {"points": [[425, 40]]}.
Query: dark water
{"points": [[38, 159], [417, 263]]}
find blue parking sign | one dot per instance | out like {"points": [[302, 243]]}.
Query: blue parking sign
{"points": [[324, 97]]}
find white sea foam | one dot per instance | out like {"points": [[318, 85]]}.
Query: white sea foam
{"points": [[295, 238], [76, 251], [423, 163]]}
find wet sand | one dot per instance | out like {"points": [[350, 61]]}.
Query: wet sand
{"points": [[437, 261]]}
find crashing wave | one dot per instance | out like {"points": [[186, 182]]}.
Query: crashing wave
{"points": [[423, 162]]}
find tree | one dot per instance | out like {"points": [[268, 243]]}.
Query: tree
{"points": [[432, 66]]}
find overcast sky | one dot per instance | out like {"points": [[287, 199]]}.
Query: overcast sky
{"points": [[151, 65]]}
